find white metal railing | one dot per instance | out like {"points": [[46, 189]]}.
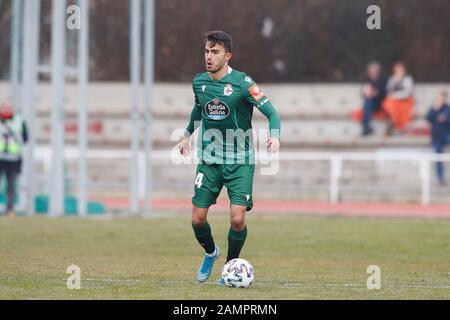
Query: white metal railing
{"points": [[336, 160]]}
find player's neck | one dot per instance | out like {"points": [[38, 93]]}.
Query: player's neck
{"points": [[219, 74]]}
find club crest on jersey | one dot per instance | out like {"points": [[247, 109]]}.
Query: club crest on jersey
{"points": [[228, 90], [217, 110]]}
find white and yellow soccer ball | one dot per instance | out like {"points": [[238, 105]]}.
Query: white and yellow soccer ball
{"points": [[238, 273]]}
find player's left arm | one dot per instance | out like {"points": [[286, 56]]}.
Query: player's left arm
{"points": [[273, 142], [257, 97]]}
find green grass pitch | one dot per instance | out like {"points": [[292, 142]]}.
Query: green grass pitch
{"points": [[294, 257]]}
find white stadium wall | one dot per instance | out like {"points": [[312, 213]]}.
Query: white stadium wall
{"points": [[315, 118], [314, 115]]}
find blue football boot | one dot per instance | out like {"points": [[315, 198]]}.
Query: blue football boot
{"points": [[221, 282], [205, 269]]}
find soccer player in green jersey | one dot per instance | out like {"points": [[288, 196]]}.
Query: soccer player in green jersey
{"points": [[224, 102]]}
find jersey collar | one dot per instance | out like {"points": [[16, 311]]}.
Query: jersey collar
{"points": [[230, 69]]}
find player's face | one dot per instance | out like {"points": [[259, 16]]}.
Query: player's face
{"points": [[216, 57]]}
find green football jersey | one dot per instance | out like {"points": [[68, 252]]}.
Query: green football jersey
{"points": [[226, 109]]}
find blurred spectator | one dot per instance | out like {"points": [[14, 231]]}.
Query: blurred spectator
{"points": [[439, 118], [13, 133], [399, 102], [374, 91]]}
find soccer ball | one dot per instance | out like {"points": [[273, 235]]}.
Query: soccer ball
{"points": [[238, 273]]}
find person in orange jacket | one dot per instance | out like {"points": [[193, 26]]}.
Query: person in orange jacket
{"points": [[399, 101]]}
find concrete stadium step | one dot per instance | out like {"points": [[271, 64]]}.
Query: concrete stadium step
{"points": [[323, 100], [314, 115], [328, 132]]}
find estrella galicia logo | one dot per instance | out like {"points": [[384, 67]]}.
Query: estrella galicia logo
{"points": [[217, 110]]}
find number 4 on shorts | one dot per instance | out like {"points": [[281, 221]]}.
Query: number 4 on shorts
{"points": [[199, 179]]}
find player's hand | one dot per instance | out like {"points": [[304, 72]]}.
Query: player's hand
{"points": [[184, 146], [273, 145]]}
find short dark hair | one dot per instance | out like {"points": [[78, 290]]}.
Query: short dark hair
{"points": [[220, 37]]}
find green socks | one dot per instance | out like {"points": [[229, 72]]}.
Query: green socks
{"points": [[204, 237], [236, 241]]}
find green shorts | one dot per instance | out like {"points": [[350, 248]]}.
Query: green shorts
{"points": [[237, 178]]}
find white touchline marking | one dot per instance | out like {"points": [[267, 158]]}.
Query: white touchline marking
{"points": [[257, 284], [277, 284]]}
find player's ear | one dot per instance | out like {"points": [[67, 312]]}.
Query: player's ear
{"points": [[228, 56]]}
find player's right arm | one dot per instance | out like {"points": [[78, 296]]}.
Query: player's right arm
{"points": [[196, 116]]}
